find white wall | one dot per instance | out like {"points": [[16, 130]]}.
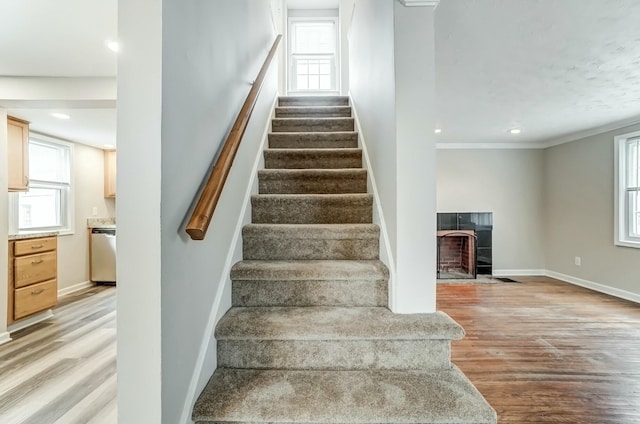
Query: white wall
{"points": [[579, 184], [88, 180], [509, 183], [212, 52], [4, 228], [392, 87]]}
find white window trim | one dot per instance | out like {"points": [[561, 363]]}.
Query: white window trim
{"points": [[620, 231], [335, 72], [13, 196]]}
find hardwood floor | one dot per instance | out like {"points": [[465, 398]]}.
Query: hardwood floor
{"points": [[63, 370], [544, 351]]}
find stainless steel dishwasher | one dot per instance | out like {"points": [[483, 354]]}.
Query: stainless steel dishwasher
{"points": [[103, 255]]}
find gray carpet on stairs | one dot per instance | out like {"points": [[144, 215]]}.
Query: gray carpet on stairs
{"points": [[309, 338]]}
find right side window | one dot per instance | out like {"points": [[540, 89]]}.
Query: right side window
{"points": [[628, 190]]}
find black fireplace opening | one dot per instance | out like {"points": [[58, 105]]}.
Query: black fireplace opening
{"points": [[464, 244]]}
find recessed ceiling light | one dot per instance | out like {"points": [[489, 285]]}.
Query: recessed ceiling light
{"points": [[60, 115], [108, 146], [515, 131], [112, 45], [437, 130]]}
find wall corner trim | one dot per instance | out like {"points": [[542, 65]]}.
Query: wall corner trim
{"points": [[414, 3]]}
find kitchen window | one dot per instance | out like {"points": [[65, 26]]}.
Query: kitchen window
{"points": [[47, 206], [627, 186]]}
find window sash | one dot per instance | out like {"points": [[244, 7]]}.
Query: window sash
{"points": [[627, 226]]}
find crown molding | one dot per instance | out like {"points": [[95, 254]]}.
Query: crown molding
{"points": [[592, 131], [490, 146], [414, 3]]}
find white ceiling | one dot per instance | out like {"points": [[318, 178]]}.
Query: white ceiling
{"points": [[555, 68]]}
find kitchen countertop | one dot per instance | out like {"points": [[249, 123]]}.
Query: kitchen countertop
{"points": [[35, 234], [101, 223]]}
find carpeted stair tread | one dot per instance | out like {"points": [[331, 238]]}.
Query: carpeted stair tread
{"points": [[313, 101], [334, 323], [290, 396], [319, 181], [313, 111], [309, 270], [313, 158], [312, 124], [313, 140], [312, 208]]}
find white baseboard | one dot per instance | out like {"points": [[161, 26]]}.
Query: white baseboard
{"points": [[76, 287], [24, 323], [5, 337], [612, 291], [517, 272]]}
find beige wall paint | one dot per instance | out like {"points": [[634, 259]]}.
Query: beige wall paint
{"points": [[4, 227], [579, 186], [508, 183], [88, 180]]}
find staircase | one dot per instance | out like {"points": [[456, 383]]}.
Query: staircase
{"points": [[309, 338]]}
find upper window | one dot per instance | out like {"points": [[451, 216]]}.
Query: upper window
{"points": [[628, 190], [47, 204], [312, 58]]}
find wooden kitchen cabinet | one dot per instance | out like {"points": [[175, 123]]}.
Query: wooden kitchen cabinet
{"points": [[110, 173], [18, 154], [33, 271]]}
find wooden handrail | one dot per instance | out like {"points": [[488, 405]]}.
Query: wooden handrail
{"points": [[203, 212]]}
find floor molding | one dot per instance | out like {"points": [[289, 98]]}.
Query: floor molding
{"points": [[518, 272], [5, 337], [19, 325], [612, 291], [76, 287]]}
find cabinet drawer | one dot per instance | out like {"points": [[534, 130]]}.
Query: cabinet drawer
{"points": [[35, 298], [31, 246], [35, 268]]}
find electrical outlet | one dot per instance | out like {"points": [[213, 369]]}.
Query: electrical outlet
{"points": [[577, 260], [94, 211]]}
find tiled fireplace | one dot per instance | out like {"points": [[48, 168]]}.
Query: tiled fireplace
{"points": [[464, 244]]}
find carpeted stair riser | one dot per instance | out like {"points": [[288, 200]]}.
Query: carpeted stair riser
{"points": [[312, 158], [310, 242], [334, 354], [311, 124], [313, 140], [312, 181], [309, 293], [313, 112], [306, 396], [313, 101], [309, 283], [312, 209]]}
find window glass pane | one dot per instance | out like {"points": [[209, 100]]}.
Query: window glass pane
{"points": [[325, 82], [39, 208], [325, 67], [633, 163], [313, 37], [314, 82], [302, 82], [634, 214], [48, 162]]}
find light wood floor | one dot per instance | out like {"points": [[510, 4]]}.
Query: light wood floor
{"points": [[63, 370], [544, 351]]}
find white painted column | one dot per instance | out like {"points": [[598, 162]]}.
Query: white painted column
{"points": [[416, 157], [4, 227], [138, 211]]}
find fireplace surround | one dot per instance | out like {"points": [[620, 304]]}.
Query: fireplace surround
{"points": [[464, 244]]}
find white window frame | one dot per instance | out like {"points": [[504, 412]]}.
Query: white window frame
{"points": [[334, 57], [622, 214], [67, 206]]}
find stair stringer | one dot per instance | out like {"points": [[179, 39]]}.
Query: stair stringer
{"points": [[222, 301], [386, 255]]}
